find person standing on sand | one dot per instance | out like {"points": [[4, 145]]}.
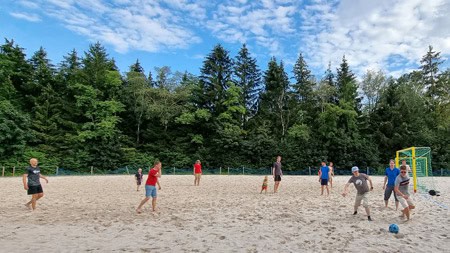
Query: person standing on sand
{"points": [[139, 177], [197, 172], [31, 183], [265, 184], [150, 186], [401, 188], [391, 174], [331, 167], [324, 175], [408, 169], [277, 173], [359, 180]]}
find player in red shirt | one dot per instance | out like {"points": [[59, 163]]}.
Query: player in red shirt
{"points": [[197, 172], [150, 186]]}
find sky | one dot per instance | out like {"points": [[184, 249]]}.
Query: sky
{"points": [[387, 35]]}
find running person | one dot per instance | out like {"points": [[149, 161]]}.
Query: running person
{"points": [[391, 174], [197, 172], [324, 175], [401, 188], [139, 177], [31, 183], [277, 173], [150, 186], [359, 180]]}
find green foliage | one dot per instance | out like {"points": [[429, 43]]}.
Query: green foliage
{"points": [[84, 113]]}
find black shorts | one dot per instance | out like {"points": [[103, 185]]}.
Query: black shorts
{"points": [[34, 189], [277, 178], [324, 182]]}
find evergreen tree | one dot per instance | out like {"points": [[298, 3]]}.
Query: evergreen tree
{"points": [[248, 78], [347, 85], [430, 70], [216, 75]]}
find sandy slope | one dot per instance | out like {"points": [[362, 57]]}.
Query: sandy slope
{"points": [[224, 214]]}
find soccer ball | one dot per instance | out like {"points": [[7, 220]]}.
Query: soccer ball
{"points": [[393, 228]]}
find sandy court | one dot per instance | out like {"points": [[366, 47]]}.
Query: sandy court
{"points": [[223, 214]]}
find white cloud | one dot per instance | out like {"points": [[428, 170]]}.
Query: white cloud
{"points": [[388, 34], [269, 24], [26, 16], [128, 24]]}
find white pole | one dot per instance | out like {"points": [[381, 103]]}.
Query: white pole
{"points": [[220, 171], [57, 170], [3, 171], [242, 170], [14, 170], [174, 170], [228, 171], [128, 172], [309, 170], [92, 170]]}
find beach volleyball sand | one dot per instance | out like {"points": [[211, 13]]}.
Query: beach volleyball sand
{"points": [[223, 214]]}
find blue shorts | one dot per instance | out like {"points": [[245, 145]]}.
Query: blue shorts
{"points": [[150, 191]]}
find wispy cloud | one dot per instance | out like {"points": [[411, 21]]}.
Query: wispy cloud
{"points": [[383, 34], [129, 24], [387, 34], [26, 16]]}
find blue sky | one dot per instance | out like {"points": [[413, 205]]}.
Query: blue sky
{"points": [[386, 35]]}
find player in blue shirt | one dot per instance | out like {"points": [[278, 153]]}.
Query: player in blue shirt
{"points": [[324, 175], [391, 174]]}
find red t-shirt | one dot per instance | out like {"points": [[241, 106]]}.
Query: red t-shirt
{"points": [[197, 168], [151, 179]]}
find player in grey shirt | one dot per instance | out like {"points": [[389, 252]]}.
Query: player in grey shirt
{"points": [[277, 173], [401, 188], [31, 183], [359, 180]]}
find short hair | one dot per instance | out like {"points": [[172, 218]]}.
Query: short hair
{"points": [[156, 162], [403, 167], [392, 160]]}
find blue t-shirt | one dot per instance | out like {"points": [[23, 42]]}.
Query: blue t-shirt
{"points": [[324, 170], [391, 175]]}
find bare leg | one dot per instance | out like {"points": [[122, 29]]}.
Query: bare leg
{"points": [[406, 213], [328, 191], [396, 205], [386, 203], [138, 210], [321, 189], [367, 211], [198, 180], [154, 204]]}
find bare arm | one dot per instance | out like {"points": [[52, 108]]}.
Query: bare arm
{"points": [[24, 180], [384, 184], [345, 192], [399, 193], [273, 171], [45, 178], [371, 184]]}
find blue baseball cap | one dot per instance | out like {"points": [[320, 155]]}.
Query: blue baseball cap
{"points": [[354, 168]]}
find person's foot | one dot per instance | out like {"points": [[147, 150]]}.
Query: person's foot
{"points": [[368, 218], [28, 205], [138, 211], [355, 212]]}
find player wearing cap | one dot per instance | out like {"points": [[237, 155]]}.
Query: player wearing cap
{"points": [[359, 180]]}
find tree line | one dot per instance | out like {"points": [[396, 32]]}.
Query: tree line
{"points": [[84, 112]]}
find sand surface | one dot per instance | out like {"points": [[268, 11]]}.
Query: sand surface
{"points": [[223, 214]]}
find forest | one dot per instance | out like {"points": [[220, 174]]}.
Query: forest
{"points": [[84, 112]]}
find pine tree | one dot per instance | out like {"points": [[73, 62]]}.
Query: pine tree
{"points": [[216, 74], [248, 78], [430, 71], [347, 85]]}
